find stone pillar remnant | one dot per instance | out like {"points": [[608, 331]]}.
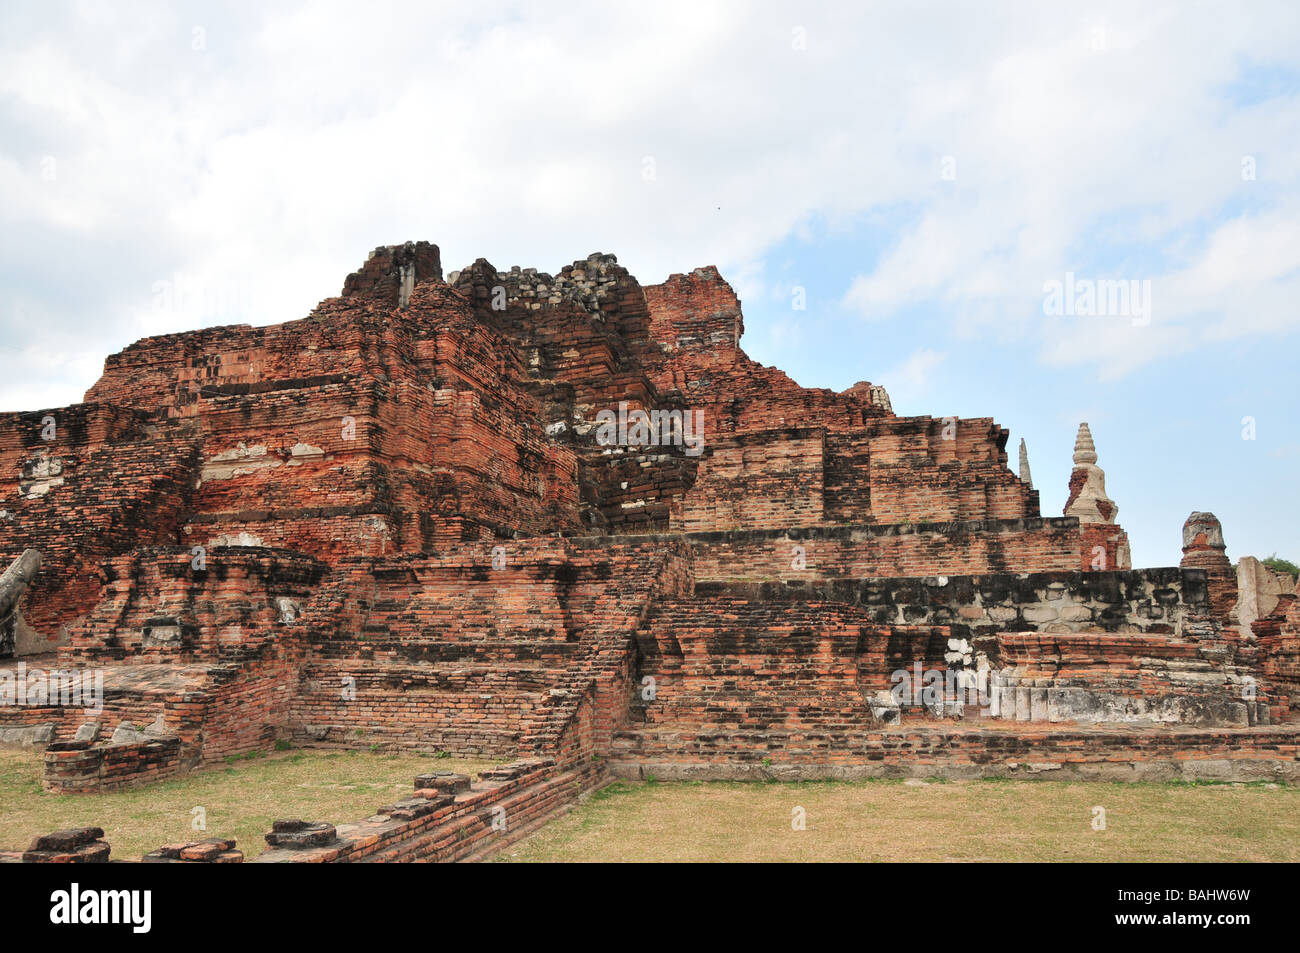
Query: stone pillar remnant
{"points": [[13, 583], [1259, 589], [1203, 548]]}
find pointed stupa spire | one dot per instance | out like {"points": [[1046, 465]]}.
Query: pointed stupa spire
{"points": [[1085, 451], [1088, 500], [1025, 476]]}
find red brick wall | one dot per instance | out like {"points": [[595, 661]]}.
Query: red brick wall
{"points": [[502, 806], [927, 469], [757, 481], [227, 611], [1279, 654], [448, 652], [1222, 579], [441, 425], [1105, 546], [736, 662], [83, 769], [906, 550], [892, 470], [941, 751], [121, 487]]}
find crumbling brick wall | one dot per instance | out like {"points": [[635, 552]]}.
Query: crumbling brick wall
{"points": [[756, 480], [487, 648], [165, 604], [104, 482], [81, 768], [1278, 635]]}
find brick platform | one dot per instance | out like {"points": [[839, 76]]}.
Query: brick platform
{"points": [[406, 520]]}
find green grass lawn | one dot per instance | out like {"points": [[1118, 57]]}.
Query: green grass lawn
{"points": [[717, 821], [928, 821], [239, 800]]}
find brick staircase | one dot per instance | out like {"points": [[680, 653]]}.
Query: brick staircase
{"points": [[446, 651]]}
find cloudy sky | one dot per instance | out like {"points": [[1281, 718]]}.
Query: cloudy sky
{"points": [[915, 175]]}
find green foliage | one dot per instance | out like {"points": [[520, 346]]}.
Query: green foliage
{"points": [[610, 790], [1278, 564]]}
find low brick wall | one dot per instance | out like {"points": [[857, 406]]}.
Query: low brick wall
{"points": [[216, 711], [77, 767], [1255, 754], [438, 825]]}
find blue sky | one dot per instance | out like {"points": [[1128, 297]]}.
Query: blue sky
{"points": [[921, 170]]}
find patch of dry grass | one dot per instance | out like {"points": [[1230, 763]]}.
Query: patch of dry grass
{"points": [[928, 821], [240, 800]]}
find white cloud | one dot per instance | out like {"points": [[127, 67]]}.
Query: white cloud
{"points": [[1107, 163], [295, 140]]}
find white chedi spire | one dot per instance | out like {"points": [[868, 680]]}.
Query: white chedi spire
{"points": [[1088, 500], [1085, 451]]}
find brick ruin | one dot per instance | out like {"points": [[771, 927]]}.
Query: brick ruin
{"points": [[564, 519]]}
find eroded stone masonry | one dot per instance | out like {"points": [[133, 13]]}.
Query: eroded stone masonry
{"points": [[564, 519]]}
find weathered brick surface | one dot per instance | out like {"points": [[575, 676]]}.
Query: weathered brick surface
{"points": [[103, 484], [1203, 548], [414, 534], [400, 428], [83, 845], [1170, 602], [449, 652], [503, 805], [1102, 677], [213, 850], [79, 768], [922, 549], [159, 605], [814, 658], [1032, 751], [1278, 635], [211, 655], [696, 320], [758, 480], [733, 661]]}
